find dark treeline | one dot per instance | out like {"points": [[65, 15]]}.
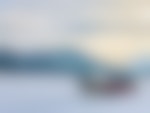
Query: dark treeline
{"points": [[40, 61]]}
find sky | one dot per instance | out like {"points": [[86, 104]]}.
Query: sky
{"points": [[96, 27]]}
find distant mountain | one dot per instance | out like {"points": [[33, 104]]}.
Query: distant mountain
{"points": [[45, 61]]}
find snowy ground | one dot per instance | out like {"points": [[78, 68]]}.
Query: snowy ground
{"points": [[63, 95]]}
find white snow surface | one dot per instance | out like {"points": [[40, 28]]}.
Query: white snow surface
{"points": [[47, 94]]}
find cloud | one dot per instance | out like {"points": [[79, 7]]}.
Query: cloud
{"points": [[45, 24]]}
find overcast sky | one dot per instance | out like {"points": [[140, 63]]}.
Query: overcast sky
{"points": [[38, 24]]}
